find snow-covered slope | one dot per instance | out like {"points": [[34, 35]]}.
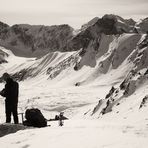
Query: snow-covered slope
{"points": [[131, 94], [102, 88], [83, 66], [107, 64]]}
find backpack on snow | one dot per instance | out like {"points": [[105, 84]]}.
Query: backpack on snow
{"points": [[35, 118]]}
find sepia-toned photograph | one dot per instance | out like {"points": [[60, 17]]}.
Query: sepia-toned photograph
{"points": [[74, 73]]}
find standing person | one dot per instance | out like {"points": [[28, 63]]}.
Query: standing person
{"points": [[10, 92], [61, 121]]}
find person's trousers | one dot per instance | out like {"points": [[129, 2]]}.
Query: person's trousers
{"points": [[11, 108]]}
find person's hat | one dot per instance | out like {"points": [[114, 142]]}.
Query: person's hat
{"points": [[5, 75]]}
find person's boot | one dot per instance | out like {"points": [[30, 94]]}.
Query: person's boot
{"points": [[16, 120]]}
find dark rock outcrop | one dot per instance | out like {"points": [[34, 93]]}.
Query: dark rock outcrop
{"points": [[144, 102]]}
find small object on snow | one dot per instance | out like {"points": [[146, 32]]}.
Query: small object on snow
{"points": [[22, 116], [117, 104], [57, 118], [61, 121], [78, 84]]}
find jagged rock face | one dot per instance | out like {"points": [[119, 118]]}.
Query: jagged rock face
{"points": [[144, 102], [119, 48], [112, 24], [130, 22], [3, 55], [108, 25], [120, 25], [92, 32], [117, 95], [90, 23], [27, 40], [141, 54], [142, 26]]}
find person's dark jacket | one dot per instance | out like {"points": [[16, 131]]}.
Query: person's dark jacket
{"points": [[11, 91]]}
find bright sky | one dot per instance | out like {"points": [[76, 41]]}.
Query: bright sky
{"points": [[72, 12]]}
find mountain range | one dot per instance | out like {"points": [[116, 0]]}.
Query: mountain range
{"points": [[37, 40]]}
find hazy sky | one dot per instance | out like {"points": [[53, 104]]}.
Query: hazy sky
{"points": [[72, 12]]}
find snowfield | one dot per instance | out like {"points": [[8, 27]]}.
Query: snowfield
{"points": [[52, 85], [80, 134]]}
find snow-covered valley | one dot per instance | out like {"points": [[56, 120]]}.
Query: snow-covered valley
{"points": [[102, 89]]}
